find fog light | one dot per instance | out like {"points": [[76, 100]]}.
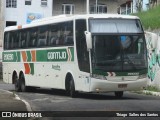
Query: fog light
{"points": [[142, 76], [102, 77], [97, 89]]}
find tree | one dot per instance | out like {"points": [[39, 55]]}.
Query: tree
{"points": [[139, 4], [152, 3]]}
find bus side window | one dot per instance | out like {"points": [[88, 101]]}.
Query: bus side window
{"points": [[15, 40], [23, 39], [53, 35], [42, 36], [33, 37], [11, 40], [6, 40], [68, 33]]}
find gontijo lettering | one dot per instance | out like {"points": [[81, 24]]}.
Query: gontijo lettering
{"points": [[8, 56], [57, 55]]}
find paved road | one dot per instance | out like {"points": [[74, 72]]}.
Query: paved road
{"points": [[56, 100]]}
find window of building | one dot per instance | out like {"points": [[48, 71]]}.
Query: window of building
{"points": [[99, 9], [11, 23], [44, 3], [28, 2], [68, 9], [11, 3]]}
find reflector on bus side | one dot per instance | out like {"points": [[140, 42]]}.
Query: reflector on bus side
{"points": [[19, 26]]}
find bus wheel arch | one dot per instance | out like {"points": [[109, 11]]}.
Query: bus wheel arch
{"points": [[70, 85]]}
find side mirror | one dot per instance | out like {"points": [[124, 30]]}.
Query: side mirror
{"points": [[88, 40], [151, 40]]}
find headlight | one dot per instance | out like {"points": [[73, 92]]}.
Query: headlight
{"points": [[102, 77], [142, 76]]}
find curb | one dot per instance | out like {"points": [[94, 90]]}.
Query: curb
{"points": [[28, 107], [151, 93]]}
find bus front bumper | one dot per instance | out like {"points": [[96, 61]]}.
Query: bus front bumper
{"points": [[111, 86]]}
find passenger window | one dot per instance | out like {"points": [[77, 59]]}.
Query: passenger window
{"points": [[61, 34], [11, 40], [16, 40], [33, 37], [42, 36], [53, 35], [68, 33], [6, 40], [23, 39]]}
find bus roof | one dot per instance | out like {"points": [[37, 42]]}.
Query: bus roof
{"points": [[62, 18]]}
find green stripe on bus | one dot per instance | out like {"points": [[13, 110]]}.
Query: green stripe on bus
{"points": [[41, 55], [31, 68], [51, 55], [55, 55], [133, 73], [11, 57], [29, 56]]}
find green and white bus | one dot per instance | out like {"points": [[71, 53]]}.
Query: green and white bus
{"points": [[85, 53]]}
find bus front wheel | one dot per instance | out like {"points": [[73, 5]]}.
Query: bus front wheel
{"points": [[119, 94], [70, 88]]}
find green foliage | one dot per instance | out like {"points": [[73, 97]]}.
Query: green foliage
{"points": [[152, 88], [150, 19]]}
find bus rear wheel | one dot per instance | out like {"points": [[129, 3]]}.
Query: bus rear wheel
{"points": [[119, 94], [23, 87], [16, 84]]}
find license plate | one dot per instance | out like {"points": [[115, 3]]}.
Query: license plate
{"points": [[122, 85]]}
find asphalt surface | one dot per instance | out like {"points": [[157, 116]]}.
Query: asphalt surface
{"points": [[9, 102]]}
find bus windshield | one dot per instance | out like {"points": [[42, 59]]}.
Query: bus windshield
{"points": [[119, 52], [118, 45]]}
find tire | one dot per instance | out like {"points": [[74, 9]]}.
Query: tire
{"points": [[71, 88], [22, 84], [119, 94], [16, 84]]}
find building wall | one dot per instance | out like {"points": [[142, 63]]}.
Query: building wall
{"points": [[112, 5], [80, 5], [54, 7], [19, 14], [1, 21]]}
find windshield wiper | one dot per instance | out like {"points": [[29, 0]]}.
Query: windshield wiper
{"points": [[130, 61]]}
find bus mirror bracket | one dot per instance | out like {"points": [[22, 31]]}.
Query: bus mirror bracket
{"points": [[88, 40]]}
